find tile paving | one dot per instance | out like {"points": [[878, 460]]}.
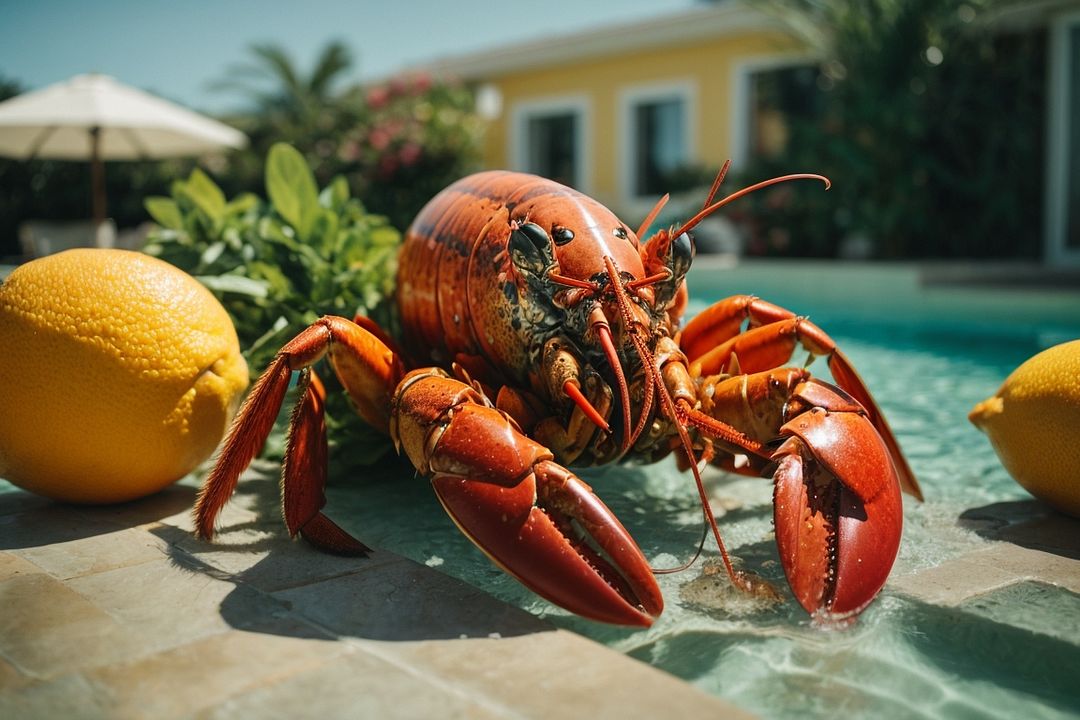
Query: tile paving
{"points": [[120, 612]]}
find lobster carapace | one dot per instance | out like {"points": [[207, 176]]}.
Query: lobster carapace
{"points": [[539, 333]]}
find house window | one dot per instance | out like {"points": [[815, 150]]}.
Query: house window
{"points": [[548, 138], [1063, 143], [657, 134], [779, 98], [1072, 158], [771, 96], [659, 144], [551, 146]]}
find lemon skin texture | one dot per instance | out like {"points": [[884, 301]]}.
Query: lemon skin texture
{"points": [[1033, 423], [120, 374]]}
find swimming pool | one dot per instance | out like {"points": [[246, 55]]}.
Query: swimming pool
{"points": [[929, 353]]}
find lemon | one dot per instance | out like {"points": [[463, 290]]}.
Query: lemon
{"points": [[1033, 422], [120, 374]]}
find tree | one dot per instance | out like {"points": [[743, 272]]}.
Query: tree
{"points": [[914, 132], [308, 111], [397, 143], [293, 103]]}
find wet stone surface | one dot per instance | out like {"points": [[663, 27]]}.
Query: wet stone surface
{"points": [[119, 612]]}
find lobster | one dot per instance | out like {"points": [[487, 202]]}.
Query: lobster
{"points": [[539, 333]]}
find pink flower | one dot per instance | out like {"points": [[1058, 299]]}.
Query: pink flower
{"points": [[398, 87], [422, 82], [379, 138], [377, 97]]}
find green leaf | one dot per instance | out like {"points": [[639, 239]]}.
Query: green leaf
{"points": [[325, 231], [241, 204], [275, 280], [277, 266], [235, 284], [206, 195], [164, 211], [212, 253], [291, 187], [280, 324], [336, 194], [272, 229]]}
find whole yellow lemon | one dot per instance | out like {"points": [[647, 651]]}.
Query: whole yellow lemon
{"points": [[1033, 422], [120, 375]]}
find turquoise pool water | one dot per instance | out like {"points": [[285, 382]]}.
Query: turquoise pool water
{"points": [[928, 355]]}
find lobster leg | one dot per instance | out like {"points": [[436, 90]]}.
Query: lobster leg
{"points": [[533, 517], [837, 508], [369, 371], [712, 341]]}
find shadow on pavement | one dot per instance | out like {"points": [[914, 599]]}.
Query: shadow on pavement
{"points": [[27, 520], [1028, 523]]}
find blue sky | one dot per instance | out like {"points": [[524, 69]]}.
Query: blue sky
{"points": [[178, 48]]}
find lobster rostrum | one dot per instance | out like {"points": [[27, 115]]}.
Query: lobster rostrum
{"points": [[539, 333]]}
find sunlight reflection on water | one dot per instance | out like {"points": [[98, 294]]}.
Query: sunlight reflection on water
{"points": [[903, 658]]}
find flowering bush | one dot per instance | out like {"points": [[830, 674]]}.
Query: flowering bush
{"points": [[415, 136]]}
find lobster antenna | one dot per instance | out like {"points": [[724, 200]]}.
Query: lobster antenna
{"points": [[710, 209], [623, 304], [716, 184], [693, 558], [603, 332], [655, 385], [652, 215], [670, 409]]}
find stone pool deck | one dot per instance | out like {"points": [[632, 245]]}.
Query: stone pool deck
{"points": [[119, 612]]}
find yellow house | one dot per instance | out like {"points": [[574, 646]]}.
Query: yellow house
{"points": [[618, 111]]}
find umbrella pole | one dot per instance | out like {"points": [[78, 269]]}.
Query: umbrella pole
{"points": [[97, 178]]}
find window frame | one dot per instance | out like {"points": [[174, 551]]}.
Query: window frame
{"points": [[630, 98], [524, 111], [1059, 124], [742, 98]]}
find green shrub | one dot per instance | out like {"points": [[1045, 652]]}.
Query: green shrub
{"points": [[279, 266], [929, 122]]}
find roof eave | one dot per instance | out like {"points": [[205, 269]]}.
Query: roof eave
{"points": [[698, 24]]}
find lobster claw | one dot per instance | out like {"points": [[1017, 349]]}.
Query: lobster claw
{"points": [[558, 539], [837, 509], [533, 517]]}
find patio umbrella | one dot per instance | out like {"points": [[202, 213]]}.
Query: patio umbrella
{"points": [[95, 118]]}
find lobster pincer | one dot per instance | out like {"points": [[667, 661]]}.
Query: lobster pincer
{"points": [[533, 517], [836, 504]]}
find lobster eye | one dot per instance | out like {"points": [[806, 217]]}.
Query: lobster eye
{"points": [[682, 253], [530, 247], [562, 235], [620, 232]]}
